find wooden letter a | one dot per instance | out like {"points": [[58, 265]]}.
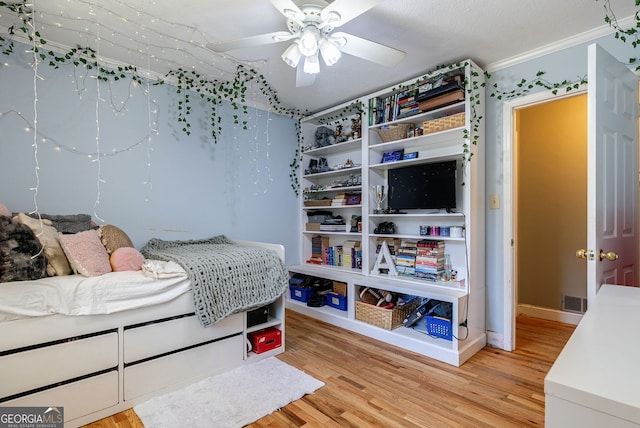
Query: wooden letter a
{"points": [[384, 261]]}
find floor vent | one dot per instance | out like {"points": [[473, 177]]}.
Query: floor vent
{"points": [[574, 304]]}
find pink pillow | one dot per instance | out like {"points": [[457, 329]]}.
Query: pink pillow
{"points": [[85, 252], [126, 258]]}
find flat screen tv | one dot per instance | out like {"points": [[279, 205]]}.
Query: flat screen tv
{"points": [[424, 186]]}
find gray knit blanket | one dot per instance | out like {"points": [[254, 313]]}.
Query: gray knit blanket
{"points": [[225, 277]]}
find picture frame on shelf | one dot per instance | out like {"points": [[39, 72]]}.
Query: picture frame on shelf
{"points": [[354, 198], [392, 156]]}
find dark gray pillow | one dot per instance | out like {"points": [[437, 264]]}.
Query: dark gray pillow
{"points": [[21, 258], [69, 223]]}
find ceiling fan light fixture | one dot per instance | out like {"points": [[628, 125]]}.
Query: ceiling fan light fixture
{"points": [[308, 42], [311, 64], [332, 18], [292, 55], [293, 15], [330, 52]]}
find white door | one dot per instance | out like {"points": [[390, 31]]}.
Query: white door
{"points": [[612, 180]]}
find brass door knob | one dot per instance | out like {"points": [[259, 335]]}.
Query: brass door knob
{"points": [[581, 253], [609, 255]]}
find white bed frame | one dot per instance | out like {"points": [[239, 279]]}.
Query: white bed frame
{"points": [[96, 366]]}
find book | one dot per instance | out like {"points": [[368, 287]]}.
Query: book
{"points": [[349, 254]]}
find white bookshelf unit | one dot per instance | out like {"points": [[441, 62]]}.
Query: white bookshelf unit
{"points": [[353, 167]]}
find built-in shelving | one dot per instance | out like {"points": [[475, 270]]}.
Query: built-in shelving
{"points": [[364, 155]]}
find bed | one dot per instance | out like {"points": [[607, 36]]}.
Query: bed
{"points": [[126, 349]]}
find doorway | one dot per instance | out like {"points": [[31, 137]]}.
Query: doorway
{"points": [[550, 201], [541, 257], [612, 248]]}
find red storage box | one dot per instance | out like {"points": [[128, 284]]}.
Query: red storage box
{"points": [[265, 340]]}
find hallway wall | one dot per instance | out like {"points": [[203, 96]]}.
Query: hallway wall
{"points": [[551, 186]]}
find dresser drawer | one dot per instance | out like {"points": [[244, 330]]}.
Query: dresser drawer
{"points": [[158, 338], [183, 367], [27, 370]]}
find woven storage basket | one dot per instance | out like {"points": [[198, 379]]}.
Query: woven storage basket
{"points": [[442, 124], [394, 132], [340, 288], [317, 203], [387, 319]]}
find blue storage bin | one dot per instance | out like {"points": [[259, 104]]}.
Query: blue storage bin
{"points": [[300, 293], [439, 327], [337, 301]]}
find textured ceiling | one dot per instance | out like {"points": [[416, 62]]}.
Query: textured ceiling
{"points": [[160, 35]]}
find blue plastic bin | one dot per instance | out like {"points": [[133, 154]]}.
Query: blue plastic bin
{"points": [[337, 301]]}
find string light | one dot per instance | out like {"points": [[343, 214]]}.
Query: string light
{"points": [[192, 49], [36, 188], [59, 147], [151, 123], [185, 48], [98, 160]]}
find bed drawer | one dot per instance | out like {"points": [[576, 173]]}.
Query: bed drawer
{"points": [[78, 398], [183, 367], [27, 370], [154, 339]]}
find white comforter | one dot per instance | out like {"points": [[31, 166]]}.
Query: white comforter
{"points": [[157, 282]]}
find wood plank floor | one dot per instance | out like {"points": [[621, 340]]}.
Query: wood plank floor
{"points": [[371, 384]]}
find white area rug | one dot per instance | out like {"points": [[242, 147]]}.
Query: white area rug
{"points": [[233, 399]]}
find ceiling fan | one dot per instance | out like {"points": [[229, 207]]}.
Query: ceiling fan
{"points": [[310, 26]]}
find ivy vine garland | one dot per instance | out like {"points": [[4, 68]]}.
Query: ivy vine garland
{"points": [[215, 92], [526, 86], [212, 91]]}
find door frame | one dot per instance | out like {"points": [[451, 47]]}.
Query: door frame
{"points": [[509, 197]]}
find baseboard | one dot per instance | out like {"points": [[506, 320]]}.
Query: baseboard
{"points": [[495, 340], [549, 314]]}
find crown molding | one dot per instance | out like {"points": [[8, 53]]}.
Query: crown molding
{"points": [[559, 45]]}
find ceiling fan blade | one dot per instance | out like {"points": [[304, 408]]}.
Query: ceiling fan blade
{"points": [[303, 79], [252, 41], [346, 10], [247, 42], [366, 49], [289, 9]]}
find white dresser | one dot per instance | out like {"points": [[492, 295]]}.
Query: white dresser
{"points": [[595, 382]]}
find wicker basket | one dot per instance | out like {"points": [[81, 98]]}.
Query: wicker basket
{"points": [[317, 203], [442, 124], [340, 288], [394, 132], [387, 319]]}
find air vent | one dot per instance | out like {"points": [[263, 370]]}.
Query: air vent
{"points": [[574, 304]]}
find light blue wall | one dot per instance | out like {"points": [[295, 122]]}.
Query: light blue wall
{"points": [[568, 64], [239, 187]]}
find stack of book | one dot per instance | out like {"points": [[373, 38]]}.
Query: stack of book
{"points": [[427, 96], [406, 258], [429, 259], [407, 104], [318, 245], [440, 93], [392, 243], [333, 227], [339, 200], [351, 255], [333, 255], [383, 108]]}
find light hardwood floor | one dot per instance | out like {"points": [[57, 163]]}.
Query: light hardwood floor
{"points": [[371, 384]]}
